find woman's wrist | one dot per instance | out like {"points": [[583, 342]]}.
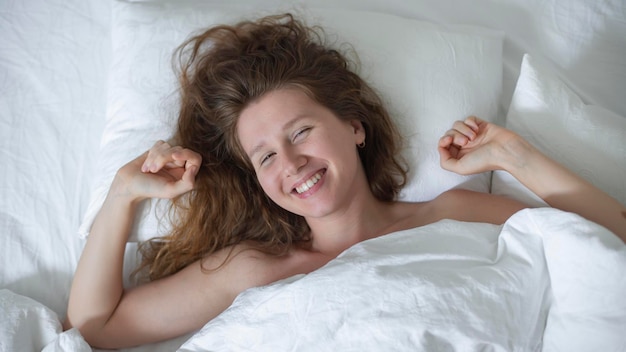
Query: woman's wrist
{"points": [[120, 190], [517, 155]]}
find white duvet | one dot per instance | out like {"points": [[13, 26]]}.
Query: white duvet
{"points": [[448, 286]]}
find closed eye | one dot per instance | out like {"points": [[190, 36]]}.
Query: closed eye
{"points": [[267, 157], [301, 133]]}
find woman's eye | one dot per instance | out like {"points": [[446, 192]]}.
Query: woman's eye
{"points": [[301, 133], [266, 158]]}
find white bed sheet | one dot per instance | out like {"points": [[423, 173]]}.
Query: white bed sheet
{"points": [[53, 69], [53, 77], [546, 280]]}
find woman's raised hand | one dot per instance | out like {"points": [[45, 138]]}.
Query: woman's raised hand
{"points": [[473, 146], [164, 171]]}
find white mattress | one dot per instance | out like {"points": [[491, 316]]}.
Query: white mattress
{"points": [[54, 60]]}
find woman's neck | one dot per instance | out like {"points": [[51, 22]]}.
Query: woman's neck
{"points": [[361, 220]]}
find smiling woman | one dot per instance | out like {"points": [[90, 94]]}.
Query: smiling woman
{"points": [[243, 64], [283, 158], [308, 160]]}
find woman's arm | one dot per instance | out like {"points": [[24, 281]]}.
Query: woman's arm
{"points": [[473, 146], [97, 288], [109, 317]]}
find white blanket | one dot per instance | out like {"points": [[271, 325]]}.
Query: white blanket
{"points": [[28, 325], [544, 281], [449, 286]]}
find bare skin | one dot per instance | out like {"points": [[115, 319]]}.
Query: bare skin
{"points": [[339, 208], [474, 145]]}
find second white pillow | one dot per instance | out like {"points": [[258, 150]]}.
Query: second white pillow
{"points": [[587, 139]]}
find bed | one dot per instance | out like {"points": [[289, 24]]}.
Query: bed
{"points": [[87, 84]]}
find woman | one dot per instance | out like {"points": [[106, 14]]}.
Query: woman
{"points": [[283, 159]]}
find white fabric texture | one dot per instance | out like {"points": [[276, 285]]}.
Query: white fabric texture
{"points": [[583, 39], [28, 325], [586, 264], [588, 139], [54, 66], [68, 341], [53, 70], [427, 73], [450, 286]]}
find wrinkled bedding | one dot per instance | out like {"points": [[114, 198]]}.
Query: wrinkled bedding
{"points": [[446, 286], [54, 71], [450, 286]]}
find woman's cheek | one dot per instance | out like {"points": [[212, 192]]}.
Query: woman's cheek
{"points": [[269, 183]]}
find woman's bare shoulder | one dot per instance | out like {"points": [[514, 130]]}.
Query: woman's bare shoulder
{"points": [[457, 204], [184, 301], [466, 205], [246, 266]]}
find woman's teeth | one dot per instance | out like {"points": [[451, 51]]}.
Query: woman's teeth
{"points": [[305, 186]]}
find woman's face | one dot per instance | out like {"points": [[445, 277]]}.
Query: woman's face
{"points": [[305, 158]]}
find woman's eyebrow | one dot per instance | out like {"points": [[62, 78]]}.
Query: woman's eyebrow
{"points": [[256, 149], [287, 126]]}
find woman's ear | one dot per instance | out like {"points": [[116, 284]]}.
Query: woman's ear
{"points": [[359, 131]]}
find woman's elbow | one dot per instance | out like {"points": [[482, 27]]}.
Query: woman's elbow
{"points": [[91, 331]]}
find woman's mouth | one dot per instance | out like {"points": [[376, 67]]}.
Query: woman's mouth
{"points": [[306, 185]]}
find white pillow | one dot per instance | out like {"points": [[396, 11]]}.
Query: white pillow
{"points": [[429, 75], [587, 139]]}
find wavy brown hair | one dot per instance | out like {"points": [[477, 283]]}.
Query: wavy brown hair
{"points": [[221, 71]]}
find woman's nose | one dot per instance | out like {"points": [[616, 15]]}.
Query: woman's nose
{"points": [[293, 161]]}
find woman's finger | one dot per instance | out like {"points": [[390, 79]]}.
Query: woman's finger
{"points": [[149, 164], [448, 151], [473, 122], [185, 184], [445, 141], [187, 157], [163, 155], [457, 138], [447, 159], [466, 129]]}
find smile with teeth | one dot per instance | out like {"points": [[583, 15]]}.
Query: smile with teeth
{"points": [[305, 186]]}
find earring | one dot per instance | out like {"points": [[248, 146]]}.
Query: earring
{"points": [[361, 145]]}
